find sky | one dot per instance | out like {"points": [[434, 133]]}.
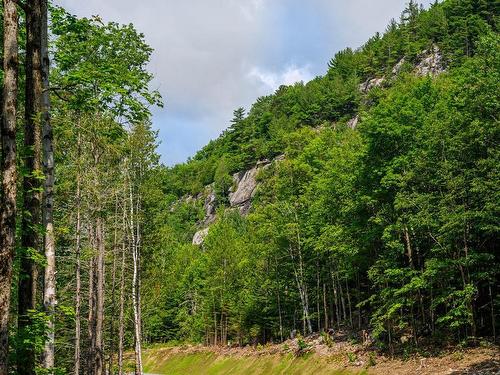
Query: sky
{"points": [[213, 56]]}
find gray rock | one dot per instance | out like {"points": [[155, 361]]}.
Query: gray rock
{"points": [[245, 183], [431, 63], [397, 68], [210, 205], [245, 187], [352, 123], [369, 84], [199, 236]]}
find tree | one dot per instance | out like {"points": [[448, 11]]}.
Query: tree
{"points": [[9, 172], [30, 220], [238, 116], [49, 296]]}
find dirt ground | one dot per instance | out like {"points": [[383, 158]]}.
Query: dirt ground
{"points": [[344, 355]]}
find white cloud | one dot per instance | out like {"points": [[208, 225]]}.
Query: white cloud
{"points": [[288, 76], [250, 8], [212, 56]]}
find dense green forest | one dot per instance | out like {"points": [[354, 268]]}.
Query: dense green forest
{"points": [[374, 212], [389, 225]]}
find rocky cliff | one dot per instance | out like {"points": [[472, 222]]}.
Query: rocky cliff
{"points": [[245, 186], [429, 62]]}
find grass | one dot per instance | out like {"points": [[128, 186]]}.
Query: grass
{"points": [[165, 361]]}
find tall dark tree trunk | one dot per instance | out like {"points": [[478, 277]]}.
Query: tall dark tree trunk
{"points": [[121, 327], [9, 172], [99, 338], [49, 291], [91, 304], [112, 339], [31, 184], [77, 355]]}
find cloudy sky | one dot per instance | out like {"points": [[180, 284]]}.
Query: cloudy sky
{"points": [[212, 56]]}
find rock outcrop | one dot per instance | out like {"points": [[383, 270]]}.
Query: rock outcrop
{"points": [[431, 63], [371, 83], [240, 197], [352, 123], [245, 187], [210, 205], [199, 236], [397, 68]]}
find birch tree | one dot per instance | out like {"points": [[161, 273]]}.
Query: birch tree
{"points": [[49, 296]]}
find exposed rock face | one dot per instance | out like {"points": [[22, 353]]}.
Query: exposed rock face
{"points": [[200, 236], [431, 63], [246, 184], [352, 123], [240, 198], [370, 84], [397, 68], [210, 205]]}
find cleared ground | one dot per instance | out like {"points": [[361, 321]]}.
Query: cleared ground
{"points": [[341, 358]]}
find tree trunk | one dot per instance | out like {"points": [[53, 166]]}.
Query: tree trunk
{"points": [[9, 172], [493, 321], [113, 289], [318, 311], [78, 265], [91, 304], [349, 302], [122, 297], [325, 307], [49, 297], [342, 300], [135, 281], [99, 324], [336, 298], [31, 184]]}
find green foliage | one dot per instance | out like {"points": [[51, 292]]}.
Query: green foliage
{"points": [[302, 346], [101, 67], [391, 226], [222, 182], [352, 357]]}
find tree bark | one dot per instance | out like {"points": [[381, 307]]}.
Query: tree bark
{"points": [[78, 250], [9, 172], [122, 297], [49, 298], [325, 309], [31, 184], [91, 304], [99, 350], [113, 289], [135, 289]]}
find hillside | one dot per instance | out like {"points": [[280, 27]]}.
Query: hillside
{"points": [[368, 200], [347, 224]]}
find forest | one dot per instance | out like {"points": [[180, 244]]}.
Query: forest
{"points": [[374, 205]]}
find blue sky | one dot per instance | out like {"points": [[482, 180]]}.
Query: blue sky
{"points": [[212, 56]]}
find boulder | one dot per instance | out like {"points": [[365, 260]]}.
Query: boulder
{"points": [[199, 236]]}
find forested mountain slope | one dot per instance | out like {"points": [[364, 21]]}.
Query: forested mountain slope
{"points": [[363, 204], [381, 215]]}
